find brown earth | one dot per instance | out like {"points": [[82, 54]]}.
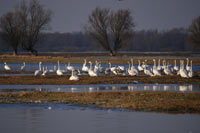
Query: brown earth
{"points": [[84, 80]]}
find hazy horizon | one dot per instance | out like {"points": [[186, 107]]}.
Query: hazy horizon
{"points": [[72, 15]]}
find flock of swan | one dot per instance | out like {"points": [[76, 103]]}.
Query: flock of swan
{"points": [[155, 70]]}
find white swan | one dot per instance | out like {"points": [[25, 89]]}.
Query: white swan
{"points": [[59, 72], [39, 71], [148, 72], [6, 67], [91, 72], [70, 67], [85, 68], [155, 71], [175, 66], [190, 73], [159, 67], [182, 71], [187, 65], [23, 67], [130, 71], [73, 76], [140, 68], [45, 71]]}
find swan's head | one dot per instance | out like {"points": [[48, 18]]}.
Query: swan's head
{"points": [[89, 62], [40, 62], [5, 63]]}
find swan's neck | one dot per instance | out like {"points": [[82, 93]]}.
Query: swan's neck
{"points": [[40, 67]]}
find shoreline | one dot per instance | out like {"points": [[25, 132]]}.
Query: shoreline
{"points": [[167, 102]]}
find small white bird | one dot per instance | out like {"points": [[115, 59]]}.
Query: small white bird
{"points": [[38, 72], [6, 67], [23, 67]]}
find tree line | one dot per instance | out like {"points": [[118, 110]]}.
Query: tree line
{"points": [[144, 41], [106, 30]]}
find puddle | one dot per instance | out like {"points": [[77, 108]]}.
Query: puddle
{"points": [[102, 88]]}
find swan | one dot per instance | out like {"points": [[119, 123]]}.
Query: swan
{"points": [[70, 67], [45, 71], [90, 71], [191, 73], [107, 70], [148, 72], [167, 71], [85, 68], [38, 72], [130, 71], [140, 68], [155, 71], [175, 66], [73, 76], [182, 71], [59, 72], [159, 67], [6, 67], [23, 67], [187, 66], [133, 68]]}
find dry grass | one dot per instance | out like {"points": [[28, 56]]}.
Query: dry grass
{"points": [[64, 80], [174, 102], [75, 59]]}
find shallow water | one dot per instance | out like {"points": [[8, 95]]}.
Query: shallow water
{"points": [[35, 66], [103, 88], [63, 118]]}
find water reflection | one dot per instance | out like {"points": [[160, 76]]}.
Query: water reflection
{"points": [[102, 88]]}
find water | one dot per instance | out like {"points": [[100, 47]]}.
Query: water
{"points": [[102, 88], [35, 66], [64, 118]]}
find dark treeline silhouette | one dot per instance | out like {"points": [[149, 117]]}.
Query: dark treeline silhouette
{"points": [[143, 41]]}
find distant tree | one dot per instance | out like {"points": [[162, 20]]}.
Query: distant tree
{"points": [[194, 32], [121, 24], [98, 26], [109, 29], [9, 30], [34, 19]]}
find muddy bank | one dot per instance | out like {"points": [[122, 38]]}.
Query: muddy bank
{"points": [[84, 80], [171, 102]]}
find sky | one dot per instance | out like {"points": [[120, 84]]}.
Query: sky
{"points": [[72, 15]]}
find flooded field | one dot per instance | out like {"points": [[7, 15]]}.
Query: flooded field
{"points": [[102, 88], [62, 118], [52, 66]]}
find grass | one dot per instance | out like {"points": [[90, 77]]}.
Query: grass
{"points": [[84, 80], [171, 102], [76, 59]]}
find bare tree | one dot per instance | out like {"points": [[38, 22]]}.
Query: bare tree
{"points": [[194, 30], [34, 19], [98, 27], [121, 24], [109, 29], [9, 28]]}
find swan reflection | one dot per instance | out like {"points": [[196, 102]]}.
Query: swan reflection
{"points": [[185, 88]]}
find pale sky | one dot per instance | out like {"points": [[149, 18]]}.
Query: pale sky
{"points": [[72, 15]]}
